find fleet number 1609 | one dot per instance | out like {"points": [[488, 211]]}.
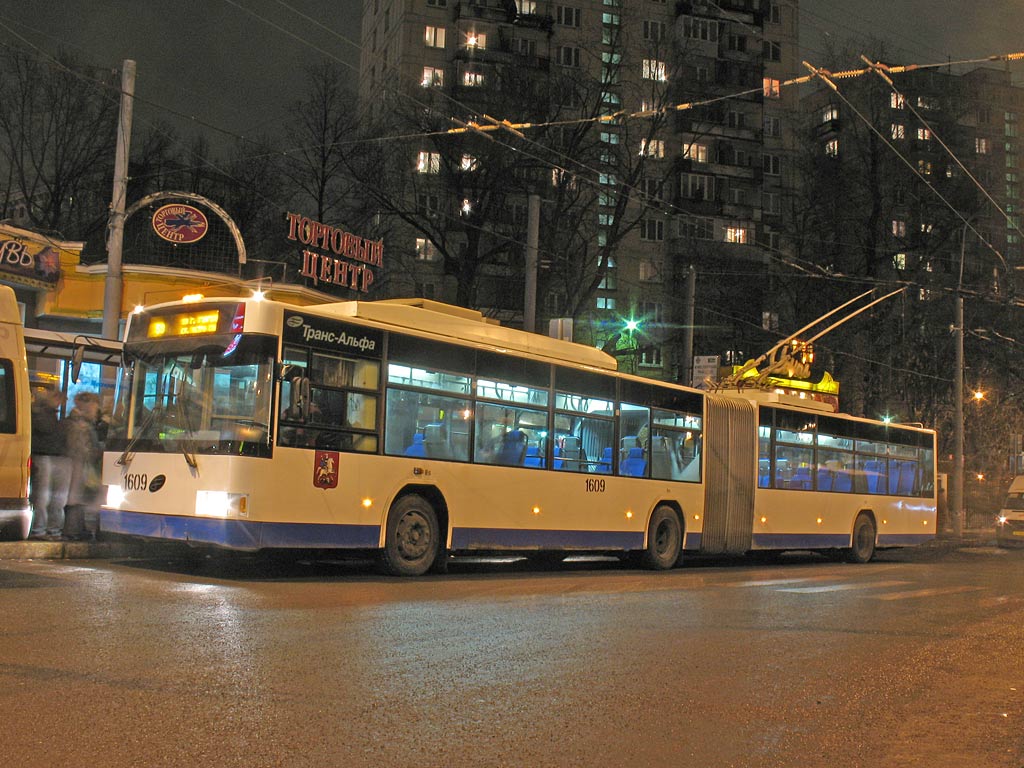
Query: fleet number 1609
{"points": [[595, 484]]}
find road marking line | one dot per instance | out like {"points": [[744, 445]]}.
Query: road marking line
{"points": [[777, 582], [842, 587], [927, 592]]}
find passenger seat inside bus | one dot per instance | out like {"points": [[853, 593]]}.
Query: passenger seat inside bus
{"points": [[634, 465], [513, 448], [533, 457], [604, 466]]}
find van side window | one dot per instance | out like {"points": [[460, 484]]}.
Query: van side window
{"points": [[8, 415]]}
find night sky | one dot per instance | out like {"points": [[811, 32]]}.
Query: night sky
{"points": [[213, 60]]}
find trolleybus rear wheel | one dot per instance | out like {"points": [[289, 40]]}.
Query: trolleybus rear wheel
{"points": [[664, 540], [411, 540], [862, 547]]}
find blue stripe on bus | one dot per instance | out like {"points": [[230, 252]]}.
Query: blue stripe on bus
{"points": [[903, 539], [514, 538], [239, 534], [800, 540]]}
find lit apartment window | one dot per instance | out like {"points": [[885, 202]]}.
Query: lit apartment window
{"points": [[650, 357], [896, 101], [650, 271], [610, 19], [899, 228], [476, 40], [652, 147], [433, 77], [832, 148], [425, 250], [923, 134], [654, 70], [469, 163], [771, 87], [526, 7], [829, 113], [737, 234], [898, 130], [605, 302], [429, 162], [433, 37], [472, 79], [924, 167], [927, 102], [899, 260], [698, 153]]}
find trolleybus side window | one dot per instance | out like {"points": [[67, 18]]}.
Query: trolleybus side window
{"points": [[8, 420], [584, 421], [341, 412]]}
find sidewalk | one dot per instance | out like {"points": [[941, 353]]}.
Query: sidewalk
{"points": [[78, 550]]}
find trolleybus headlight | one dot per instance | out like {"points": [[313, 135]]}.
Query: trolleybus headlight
{"points": [[1002, 519], [115, 495], [221, 504]]}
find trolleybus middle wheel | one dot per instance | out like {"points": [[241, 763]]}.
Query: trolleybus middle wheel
{"points": [[411, 540], [862, 547], [664, 540]]}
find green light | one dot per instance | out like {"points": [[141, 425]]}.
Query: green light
{"points": [[632, 325]]}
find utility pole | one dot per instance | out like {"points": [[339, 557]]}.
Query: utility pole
{"points": [[689, 300], [956, 487], [532, 262], [112, 287]]}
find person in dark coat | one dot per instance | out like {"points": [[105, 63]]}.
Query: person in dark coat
{"points": [[51, 468]]}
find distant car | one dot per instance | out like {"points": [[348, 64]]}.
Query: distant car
{"points": [[1010, 522]]}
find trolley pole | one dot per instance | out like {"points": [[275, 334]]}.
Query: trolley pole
{"points": [[112, 287]]}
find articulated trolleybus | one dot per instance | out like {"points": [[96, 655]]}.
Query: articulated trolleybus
{"points": [[419, 430]]}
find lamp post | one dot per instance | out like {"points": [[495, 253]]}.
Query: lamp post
{"points": [[956, 502]]}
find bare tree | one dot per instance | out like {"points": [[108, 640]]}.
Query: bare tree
{"points": [[57, 137]]}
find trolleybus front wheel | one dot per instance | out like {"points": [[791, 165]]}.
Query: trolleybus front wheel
{"points": [[411, 540], [664, 540], [863, 544]]}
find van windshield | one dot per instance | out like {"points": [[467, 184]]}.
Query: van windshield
{"points": [[1014, 501]]}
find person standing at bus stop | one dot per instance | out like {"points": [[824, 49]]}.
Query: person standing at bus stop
{"points": [[51, 468], [84, 452]]}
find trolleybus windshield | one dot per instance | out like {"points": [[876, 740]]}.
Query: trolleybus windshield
{"points": [[209, 399]]}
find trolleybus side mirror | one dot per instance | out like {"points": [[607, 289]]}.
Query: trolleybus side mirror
{"points": [[76, 362]]}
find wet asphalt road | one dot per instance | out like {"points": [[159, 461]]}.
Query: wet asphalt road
{"points": [[914, 660]]}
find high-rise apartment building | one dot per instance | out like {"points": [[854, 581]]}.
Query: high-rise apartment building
{"points": [[662, 139]]}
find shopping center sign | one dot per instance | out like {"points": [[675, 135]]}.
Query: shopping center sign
{"points": [[335, 256], [28, 257]]}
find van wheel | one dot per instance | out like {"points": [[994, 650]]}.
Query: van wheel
{"points": [[664, 540], [411, 537], [16, 530], [864, 534]]}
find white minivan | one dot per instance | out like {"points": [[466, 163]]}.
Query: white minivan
{"points": [[15, 425], [1010, 524]]}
